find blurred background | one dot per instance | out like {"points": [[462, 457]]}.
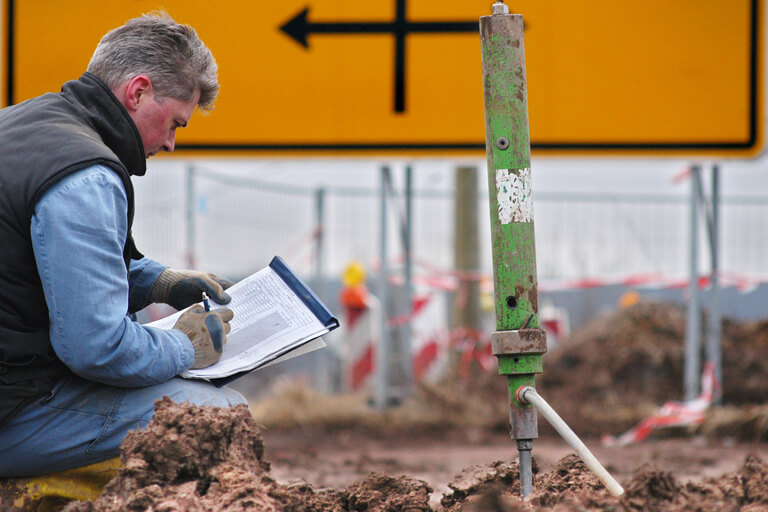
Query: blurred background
{"points": [[604, 227], [339, 141]]}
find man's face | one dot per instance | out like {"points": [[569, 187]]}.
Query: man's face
{"points": [[157, 120]]}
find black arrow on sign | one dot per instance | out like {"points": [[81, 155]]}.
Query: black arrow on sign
{"points": [[299, 28]]}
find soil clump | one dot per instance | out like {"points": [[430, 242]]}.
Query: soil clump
{"points": [[490, 485], [193, 458], [571, 487]]}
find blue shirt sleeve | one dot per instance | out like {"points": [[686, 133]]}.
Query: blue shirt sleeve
{"points": [[141, 277], [78, 230]]}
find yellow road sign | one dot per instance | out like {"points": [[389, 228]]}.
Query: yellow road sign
{"points": [[351, 77]]}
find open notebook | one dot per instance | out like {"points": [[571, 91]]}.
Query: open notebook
{"points": [[277, 316]]}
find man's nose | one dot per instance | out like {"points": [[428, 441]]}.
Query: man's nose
{"points": [[170, 144]]}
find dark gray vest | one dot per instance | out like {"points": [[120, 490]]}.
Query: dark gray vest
{"points": [[43, 140]]}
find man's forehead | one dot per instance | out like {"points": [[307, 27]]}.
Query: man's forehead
{"points": [[181, 108]]}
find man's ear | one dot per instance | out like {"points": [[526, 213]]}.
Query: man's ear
{"points": [[135, 91]]}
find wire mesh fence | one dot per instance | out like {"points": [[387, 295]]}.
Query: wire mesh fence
{"points": [[233, 224]]}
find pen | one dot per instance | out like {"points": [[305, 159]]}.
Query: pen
{"points": [[206, 304]]}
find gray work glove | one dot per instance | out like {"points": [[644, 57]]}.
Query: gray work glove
{"points": [[207, 330], [182, 288]]}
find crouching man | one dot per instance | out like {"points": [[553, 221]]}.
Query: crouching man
{"points": [[76, 371]]}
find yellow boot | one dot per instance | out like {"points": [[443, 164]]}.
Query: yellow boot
{"points": [[52, 491]]}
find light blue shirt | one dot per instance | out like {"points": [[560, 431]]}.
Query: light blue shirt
{"points": [[78, 230]]}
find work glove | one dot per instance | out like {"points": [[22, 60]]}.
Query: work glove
{"points": [[182, 288], [207, 330]]}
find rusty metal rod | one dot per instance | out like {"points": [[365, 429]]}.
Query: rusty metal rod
{"points": [[528, 395], [525, 466]]}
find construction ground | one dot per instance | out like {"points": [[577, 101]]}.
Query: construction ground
{"points": [[447, 448]]}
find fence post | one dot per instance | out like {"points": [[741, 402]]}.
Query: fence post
{"points": [[692, 366], [714, 353], [382, 351], [466, 251], [191, 200], [407, 357], [319, 239]]}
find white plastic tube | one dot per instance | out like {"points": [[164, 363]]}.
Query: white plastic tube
{"points": [[529, 395]]}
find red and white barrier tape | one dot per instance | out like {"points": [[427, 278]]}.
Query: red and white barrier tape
{"points": [[672, 414], [741, 282], [446, 280]]}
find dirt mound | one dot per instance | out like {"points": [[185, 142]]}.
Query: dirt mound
{"points": [[209, 459], [570, 486], [617, 370], [193, 458], [569, 476], [190, 458], [620, 367], [381, 493], [745, 362], [632, 356], [651, 489], [635, 355], [605, 378]]}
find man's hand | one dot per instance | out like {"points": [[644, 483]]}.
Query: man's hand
{"points": [[207, 330], [182, 288]]}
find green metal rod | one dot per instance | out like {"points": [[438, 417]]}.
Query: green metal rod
{"points": [[518, 341], [508, 149]]}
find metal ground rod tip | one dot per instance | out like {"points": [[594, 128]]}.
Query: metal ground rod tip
{"points": [[524, 447], [500, 8]]}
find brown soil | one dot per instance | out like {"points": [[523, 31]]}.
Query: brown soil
{"points": [[193, 458], [207, 459], [483, 484], [635, 355], [617, 370], [608, 376]]}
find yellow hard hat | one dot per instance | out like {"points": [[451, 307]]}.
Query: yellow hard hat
{"points": [[354, 274]]}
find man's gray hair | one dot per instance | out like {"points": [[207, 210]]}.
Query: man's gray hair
{"points": [[172, 55]]}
